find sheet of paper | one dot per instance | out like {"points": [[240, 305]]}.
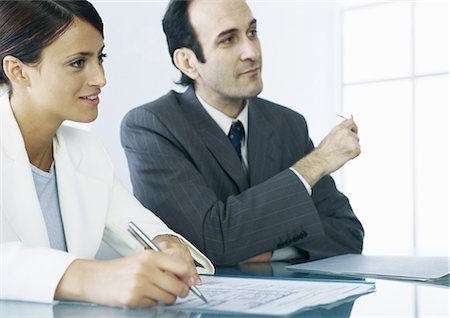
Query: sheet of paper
{"points": [[400, 267], [268, 296]]}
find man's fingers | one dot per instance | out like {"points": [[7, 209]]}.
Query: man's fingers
{"points": [[349, 124]]}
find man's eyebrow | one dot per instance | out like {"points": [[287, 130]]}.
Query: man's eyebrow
{"points": [[252, 23], [221, 34]]}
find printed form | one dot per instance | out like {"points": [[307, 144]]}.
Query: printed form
{"points": [[268, 296]]}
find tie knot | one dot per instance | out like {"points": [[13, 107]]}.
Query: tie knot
{"points": [[236, 136]]}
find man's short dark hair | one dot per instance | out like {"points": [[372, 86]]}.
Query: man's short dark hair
{"points": [[180, 33]]}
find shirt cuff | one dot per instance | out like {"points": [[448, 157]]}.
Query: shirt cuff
{"points": [[306, 184], [285, 253]]}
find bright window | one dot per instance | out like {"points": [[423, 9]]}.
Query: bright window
{"points": [[395, 64]]}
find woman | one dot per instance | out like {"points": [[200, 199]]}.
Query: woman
{"points": [[59, 197]]}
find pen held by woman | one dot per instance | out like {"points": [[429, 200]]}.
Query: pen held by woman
{"points": [[148, 243]]}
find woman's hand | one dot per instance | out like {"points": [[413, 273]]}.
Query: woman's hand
{"points": [[140, 280], [172, 245]]}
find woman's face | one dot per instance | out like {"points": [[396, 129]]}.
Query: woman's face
{"points": [[67, 81]]}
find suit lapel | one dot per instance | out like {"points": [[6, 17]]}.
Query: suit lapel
{"points": [[213, 137], [261, 147]]}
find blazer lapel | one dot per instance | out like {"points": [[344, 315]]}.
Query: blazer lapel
{"points": [[83, 199], [261, 146], [215, 140], [20, 203]]}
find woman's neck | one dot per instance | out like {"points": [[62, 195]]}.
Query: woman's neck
{"points": [[37, 132]]}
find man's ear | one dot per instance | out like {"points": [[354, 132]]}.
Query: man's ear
{"points": [[185, 60], [16, 71]]}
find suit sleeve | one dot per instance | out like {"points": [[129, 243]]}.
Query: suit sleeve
{"points": [[343, 231], [274, 214]]}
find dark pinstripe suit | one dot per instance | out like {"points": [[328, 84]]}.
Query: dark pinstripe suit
{"points": [[184, 168]]}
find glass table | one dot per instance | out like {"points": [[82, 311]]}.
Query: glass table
{"points": [[392, 298]]}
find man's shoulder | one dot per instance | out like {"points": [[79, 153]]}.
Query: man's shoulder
{"points": [[276, 110], [164, 107], [165, 103]]}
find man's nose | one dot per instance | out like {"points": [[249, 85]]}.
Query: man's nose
{"points": [[251, 49]]}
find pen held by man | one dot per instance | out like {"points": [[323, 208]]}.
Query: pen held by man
{"points": [[336, 149]]}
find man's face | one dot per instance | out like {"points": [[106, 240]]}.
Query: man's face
{"points": [[227, 34]]}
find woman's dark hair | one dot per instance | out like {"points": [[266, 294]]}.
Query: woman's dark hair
{"points": [[180, 33], [27, 27]]}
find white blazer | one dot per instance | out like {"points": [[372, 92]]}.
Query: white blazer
{"points": [[94, 206]]}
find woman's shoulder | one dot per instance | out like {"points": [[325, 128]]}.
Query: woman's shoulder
{"points": [[74, 135], [83, 145]]}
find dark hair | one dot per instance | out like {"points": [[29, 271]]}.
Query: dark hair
{"points": [[180, 33], [27, 27]]}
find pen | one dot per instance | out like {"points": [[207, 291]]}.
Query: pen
{"points": [[148, 243], [343, 116]]}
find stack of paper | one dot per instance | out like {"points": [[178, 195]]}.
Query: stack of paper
{"points": [[269, 296]]}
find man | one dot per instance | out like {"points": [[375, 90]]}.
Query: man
{"points": [[263, 194]]}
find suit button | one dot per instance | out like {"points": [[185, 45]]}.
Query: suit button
{"points": [[303, 235]]}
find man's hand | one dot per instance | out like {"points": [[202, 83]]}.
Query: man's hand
{"points": [[336, 149], [261, 258]]}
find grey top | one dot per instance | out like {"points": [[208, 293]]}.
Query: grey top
{"points": [[47, 191]]}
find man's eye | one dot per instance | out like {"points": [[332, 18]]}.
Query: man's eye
{"points": [[228, 40], [253, 33]]}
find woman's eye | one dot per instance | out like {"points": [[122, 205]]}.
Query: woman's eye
{"points": [[78, 63], [102, 57]]}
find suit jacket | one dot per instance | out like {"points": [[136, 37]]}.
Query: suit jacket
{"points": [[185, 169], [94, 206]]}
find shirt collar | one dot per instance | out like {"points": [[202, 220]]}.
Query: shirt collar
{"points": [[222, 120]]}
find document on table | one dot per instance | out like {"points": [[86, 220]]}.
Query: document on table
{"points": [[268, 296], [421, 268]]}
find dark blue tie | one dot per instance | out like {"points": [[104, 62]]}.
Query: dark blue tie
{"points": [[236, 136]]}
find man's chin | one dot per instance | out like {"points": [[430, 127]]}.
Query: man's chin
{"points": [[255, 91], [250, 89]]}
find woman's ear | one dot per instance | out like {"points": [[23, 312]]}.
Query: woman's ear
{"points": [[185, 60], [15, 70]]}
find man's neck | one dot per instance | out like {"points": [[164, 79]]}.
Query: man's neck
{"points": [[229, 106]]}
